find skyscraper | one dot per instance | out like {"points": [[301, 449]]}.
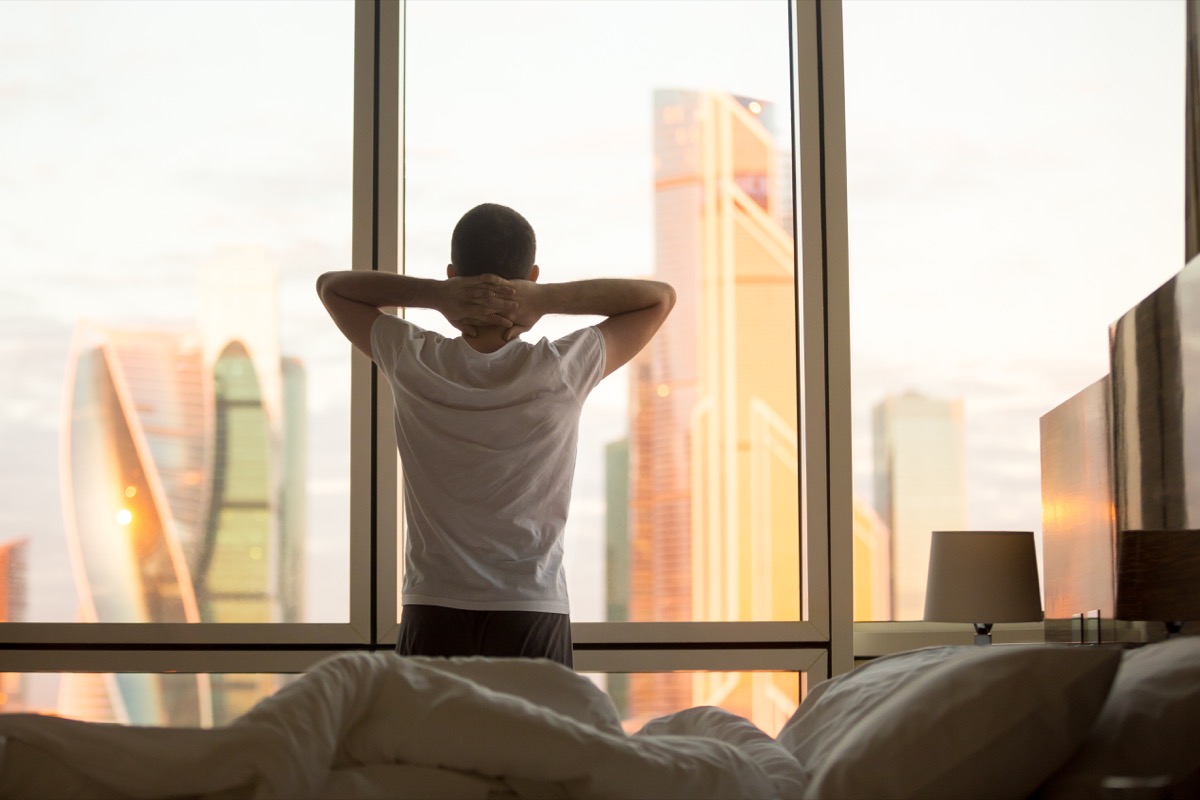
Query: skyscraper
{"points": [[920, 486], [713, 462], [13, 597], [872, 564], [616, 553], [12, 580], [182, 490]]}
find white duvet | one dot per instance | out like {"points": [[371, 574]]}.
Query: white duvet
{"points": [[379, 726]]}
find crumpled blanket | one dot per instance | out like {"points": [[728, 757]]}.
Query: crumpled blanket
{"points": [[363, 725]]}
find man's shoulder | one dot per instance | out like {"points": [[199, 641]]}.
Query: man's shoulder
{"points": [[581, 355], [391, 335], [589, 336], [394, 327]]}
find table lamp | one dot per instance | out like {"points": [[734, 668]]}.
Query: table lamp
{"points": [[983, 577], [1158, 577]]}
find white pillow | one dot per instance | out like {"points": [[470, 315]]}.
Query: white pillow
{"points": [[951, 722], [1149, 726], [834, 707]]}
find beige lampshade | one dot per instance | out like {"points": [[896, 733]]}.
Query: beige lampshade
{"points": [[983, 577]]}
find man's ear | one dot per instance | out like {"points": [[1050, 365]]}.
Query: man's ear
{"points": [[533, 273], [451, 272]]}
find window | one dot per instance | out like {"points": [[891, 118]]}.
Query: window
{"points": [[175, 418], [191, 433], [767, 698], [658, 144], [1015, 183]]}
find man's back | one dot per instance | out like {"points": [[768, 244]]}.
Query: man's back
{"points": [[487, 428], [487, 443]]}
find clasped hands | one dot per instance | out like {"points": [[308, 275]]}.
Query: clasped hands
{"points": [[489, 301]]}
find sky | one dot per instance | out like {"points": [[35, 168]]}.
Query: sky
{"points": [[1015, 183], [1015, 175]]}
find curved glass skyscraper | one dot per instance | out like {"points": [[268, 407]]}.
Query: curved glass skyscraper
{"points": [[176, 488]]}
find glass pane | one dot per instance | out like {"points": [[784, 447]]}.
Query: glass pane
{"points": [[190, 700], [647, 139], [768, 699], [1015, 183], [175, 415]]}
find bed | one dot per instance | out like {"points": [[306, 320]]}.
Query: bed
{"points": [[1006, 721]]}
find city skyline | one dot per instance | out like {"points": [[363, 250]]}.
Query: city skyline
{"points": [[178, 477]]}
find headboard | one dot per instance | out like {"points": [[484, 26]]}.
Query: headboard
{"points": [[1122, 456]]}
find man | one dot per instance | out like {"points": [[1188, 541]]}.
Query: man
{"points": [[487, 429]]}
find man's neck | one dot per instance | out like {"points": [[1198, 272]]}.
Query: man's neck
{"points": [[486, 340]]}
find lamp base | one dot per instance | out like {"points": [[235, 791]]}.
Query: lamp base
{"points": [[983, 633]]}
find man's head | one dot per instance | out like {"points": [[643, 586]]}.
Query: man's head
{"points": [[493, 239]]}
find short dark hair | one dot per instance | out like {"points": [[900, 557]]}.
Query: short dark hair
{"points": [[493, 239]]}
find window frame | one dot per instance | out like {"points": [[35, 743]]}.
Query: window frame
{"points": [[819, 646]]}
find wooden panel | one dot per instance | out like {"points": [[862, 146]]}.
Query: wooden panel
{"points": [[1158, 576]]}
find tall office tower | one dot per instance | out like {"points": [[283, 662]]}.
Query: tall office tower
{"points": [[616, 553], [180, 501], [294, 514], [920, 486], [872, 565], [714, 509], [13, 597], [13, 589]]}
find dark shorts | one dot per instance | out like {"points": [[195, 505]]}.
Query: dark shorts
{"points": [[445, 632]]}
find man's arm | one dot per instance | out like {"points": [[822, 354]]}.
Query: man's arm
{"points": [[636, 309], [354, 300]]}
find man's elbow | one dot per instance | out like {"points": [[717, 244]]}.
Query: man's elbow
{"points": [[668, 298], [323, 281], [331, 286]]}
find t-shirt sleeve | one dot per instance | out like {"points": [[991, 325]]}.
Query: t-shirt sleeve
{"points": [[582, 357], [389, 335]]}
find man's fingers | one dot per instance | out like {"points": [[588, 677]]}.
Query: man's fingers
{"points": [[494, 292], [497, 304], [494, 283]]}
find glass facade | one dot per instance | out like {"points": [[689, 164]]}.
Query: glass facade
{"points": [[177, 491], [713, 452], [128, 556]]}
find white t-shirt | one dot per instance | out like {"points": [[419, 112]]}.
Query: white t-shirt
{"points": [[487, 446]]}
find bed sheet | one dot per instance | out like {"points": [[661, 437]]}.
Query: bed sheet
{"points": [[376, 725]]}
